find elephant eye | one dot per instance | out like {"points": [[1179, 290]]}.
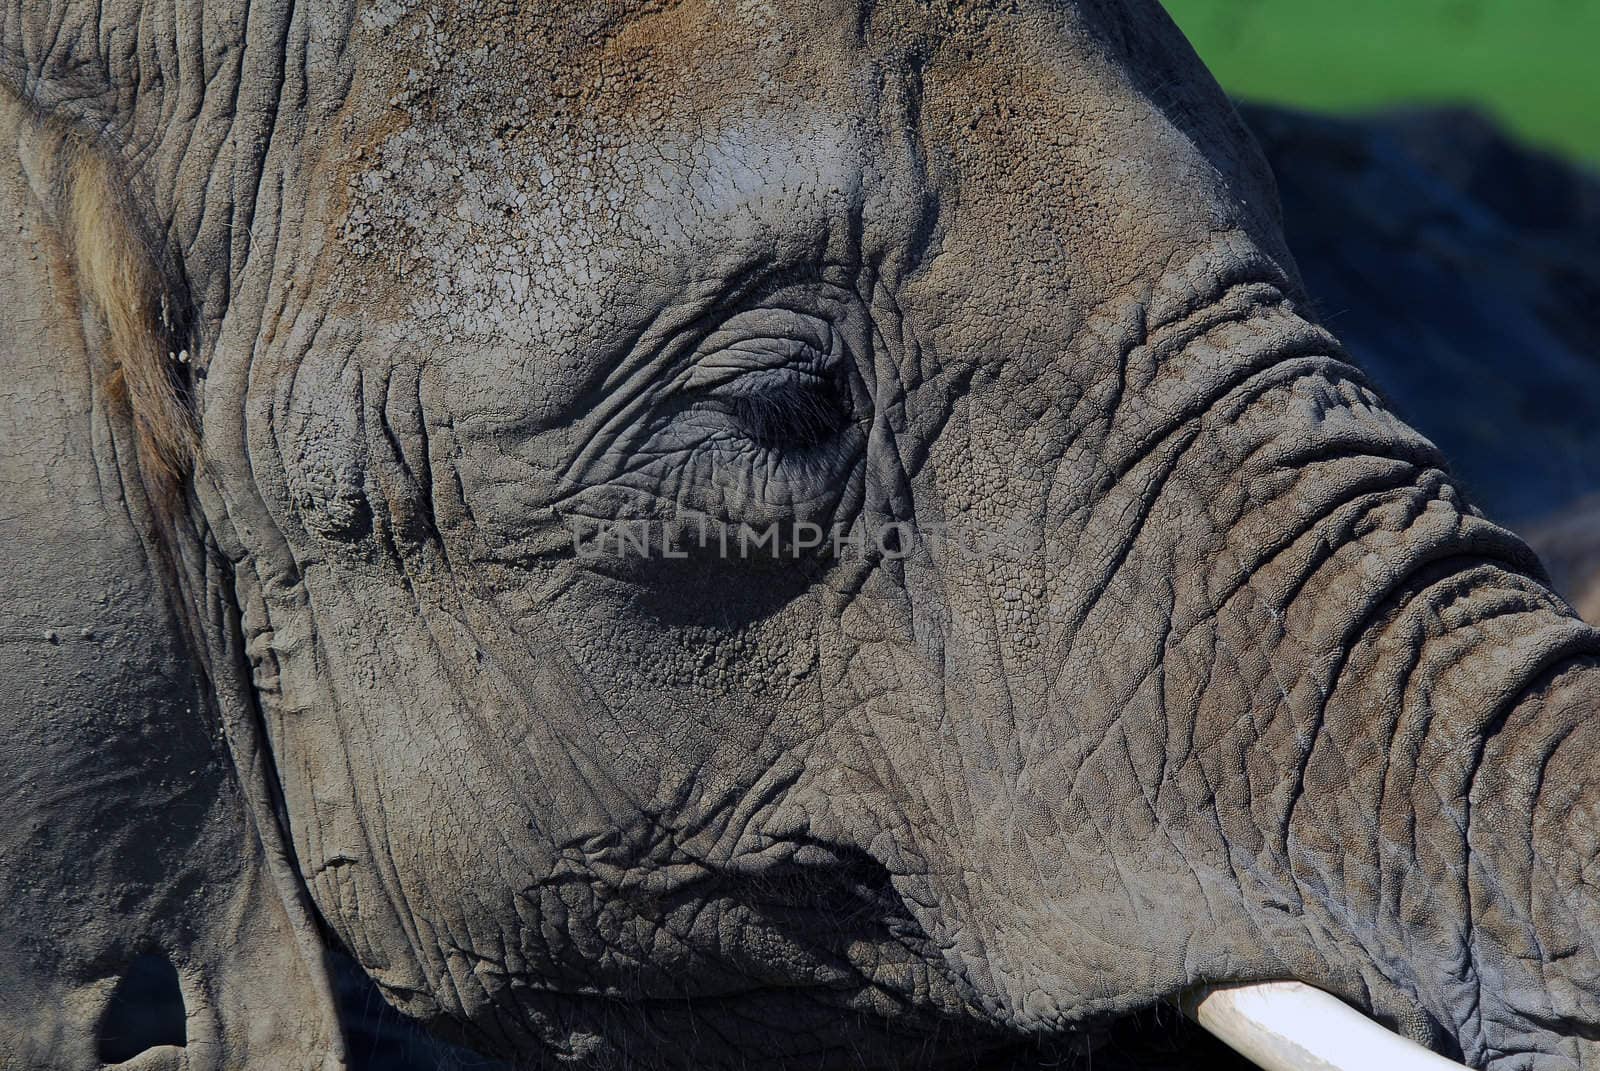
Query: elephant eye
{"points": [[789, 407], [776, 378], [767, 418]]}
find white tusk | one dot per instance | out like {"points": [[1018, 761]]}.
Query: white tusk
{"points": [[1288, 1026]]}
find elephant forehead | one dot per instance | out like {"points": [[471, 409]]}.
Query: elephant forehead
{"points": [[523, 239], [528, 190], [537, 267]]}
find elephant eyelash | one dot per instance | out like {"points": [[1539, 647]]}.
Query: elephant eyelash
{"points": [[792, 414]]}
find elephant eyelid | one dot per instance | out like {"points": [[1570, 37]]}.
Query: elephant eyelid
{"points": [[789, 408], [746, 360]]}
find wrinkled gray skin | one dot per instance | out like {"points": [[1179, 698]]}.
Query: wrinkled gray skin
{"points": [[1248, 691]]}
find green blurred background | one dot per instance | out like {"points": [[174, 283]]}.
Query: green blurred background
{"points": [[1532, 64]]}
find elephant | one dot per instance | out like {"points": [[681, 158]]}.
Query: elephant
{"points": [[709, 533]]}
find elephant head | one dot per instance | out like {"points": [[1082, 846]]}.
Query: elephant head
{"points": [[732, 534]]}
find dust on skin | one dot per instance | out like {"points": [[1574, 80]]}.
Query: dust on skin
{"points": [[505, 207]]}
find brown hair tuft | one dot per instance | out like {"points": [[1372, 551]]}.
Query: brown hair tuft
{"points": [[121, 279]]}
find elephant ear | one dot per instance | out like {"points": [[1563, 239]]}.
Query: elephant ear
{"points": [[142, 909]]}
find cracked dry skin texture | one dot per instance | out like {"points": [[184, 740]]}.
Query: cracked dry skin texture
{"points": [[1196, 664]]}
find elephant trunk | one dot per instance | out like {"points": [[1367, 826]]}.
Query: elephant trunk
{"points": [[1418, 761], [1326, 723], [1533, 838], [1530, 838], [1425, 708]]}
